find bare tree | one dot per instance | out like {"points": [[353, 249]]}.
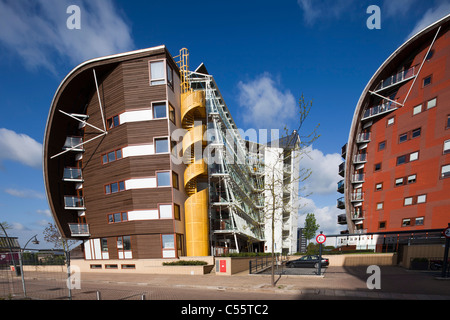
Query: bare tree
{"points": [[283, 177]]}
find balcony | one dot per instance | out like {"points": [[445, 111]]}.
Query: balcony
{"points": [[341, 203], [397, 78], [74, 203], [357, 196], [72, 174], [340, 187], [385, 107], [344, 151], [357, 215], [363, 137], [358, 178], [360, 158], [342, 219], [342, 169], [74, 143], [79, 229]]}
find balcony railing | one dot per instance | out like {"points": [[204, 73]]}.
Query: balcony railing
{"points": [[397, 78], [72, 174], [358, 177], [341, 203], [340, 187], [363, 137], [358, 215], [344, 151], [79, 229], [360, 158], [357, 196], [73, 203], [384, 107], [342, 219], [72, 142], [342, 169]]}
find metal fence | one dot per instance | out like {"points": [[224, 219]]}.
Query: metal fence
{"points": [[45, 276]]}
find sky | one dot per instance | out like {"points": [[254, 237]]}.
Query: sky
{"points": [[264, 56]]}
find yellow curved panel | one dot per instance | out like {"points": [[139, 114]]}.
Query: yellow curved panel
{"points": [[190, 102], [193, 136], [194, 170], [197, 226]]}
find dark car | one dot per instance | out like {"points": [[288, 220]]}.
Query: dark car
{"points": [[310, 261]]}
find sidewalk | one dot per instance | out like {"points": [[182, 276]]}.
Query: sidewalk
{"points": [[396, 283]]}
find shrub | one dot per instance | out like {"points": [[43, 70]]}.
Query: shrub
{"points": [[186, 263]]}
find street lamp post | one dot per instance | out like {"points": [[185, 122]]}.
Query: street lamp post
{"points": [[35, 241]]}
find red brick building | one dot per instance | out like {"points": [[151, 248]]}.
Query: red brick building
{"points": [[397, 158]]}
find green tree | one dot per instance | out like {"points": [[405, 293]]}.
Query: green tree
{"points": [[311, 226]]}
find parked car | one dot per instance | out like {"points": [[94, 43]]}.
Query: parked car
{"points": [[309, 261], [438, 264]]}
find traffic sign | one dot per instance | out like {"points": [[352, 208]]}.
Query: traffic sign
{"points": [[321, 238], [447, 232]]}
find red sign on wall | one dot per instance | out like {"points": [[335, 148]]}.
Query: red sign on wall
{"points": [[223, 265]]}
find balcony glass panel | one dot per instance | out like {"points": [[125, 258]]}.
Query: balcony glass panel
{"points": [[358, 177], [72, 174], [73, 142], [79, 229], [398, 77], [73, 202], [360, 158], [384, 107]]}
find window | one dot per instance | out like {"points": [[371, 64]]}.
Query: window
{"points": [[175, 180], [104, 244], [419, 221], [165, 211], [416, 133], [157, 75], [112, 156], [408, 158], [382, 225], [447, 126], [382, 145], [172, 114], [176, 212], [431, 103], [117, 217], [390, 121], [379, 186], [445, 171], [426, 81], [114, 187], [447, 146], [112, 122], [163, 179], [408, 201], [417, 109], [161, 145], [168, 241], [403, 137], [401, 160], [159, 110], [379, 205], [124, 243], [398, 182], [377, 167], [169, 76], [422, 198], [406, 222], [412, 178]]}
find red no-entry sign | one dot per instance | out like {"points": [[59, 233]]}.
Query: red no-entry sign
{"points": [[447, 232], [321, 238]]}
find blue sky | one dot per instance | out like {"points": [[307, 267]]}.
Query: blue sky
{"points": [[263, 55]]}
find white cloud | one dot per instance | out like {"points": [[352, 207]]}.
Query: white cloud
{"points": [[430, 16], [21, 148], [325, 9], [37, 31], [324, 171], [264, 105], [26, 194], [45, 212]]}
